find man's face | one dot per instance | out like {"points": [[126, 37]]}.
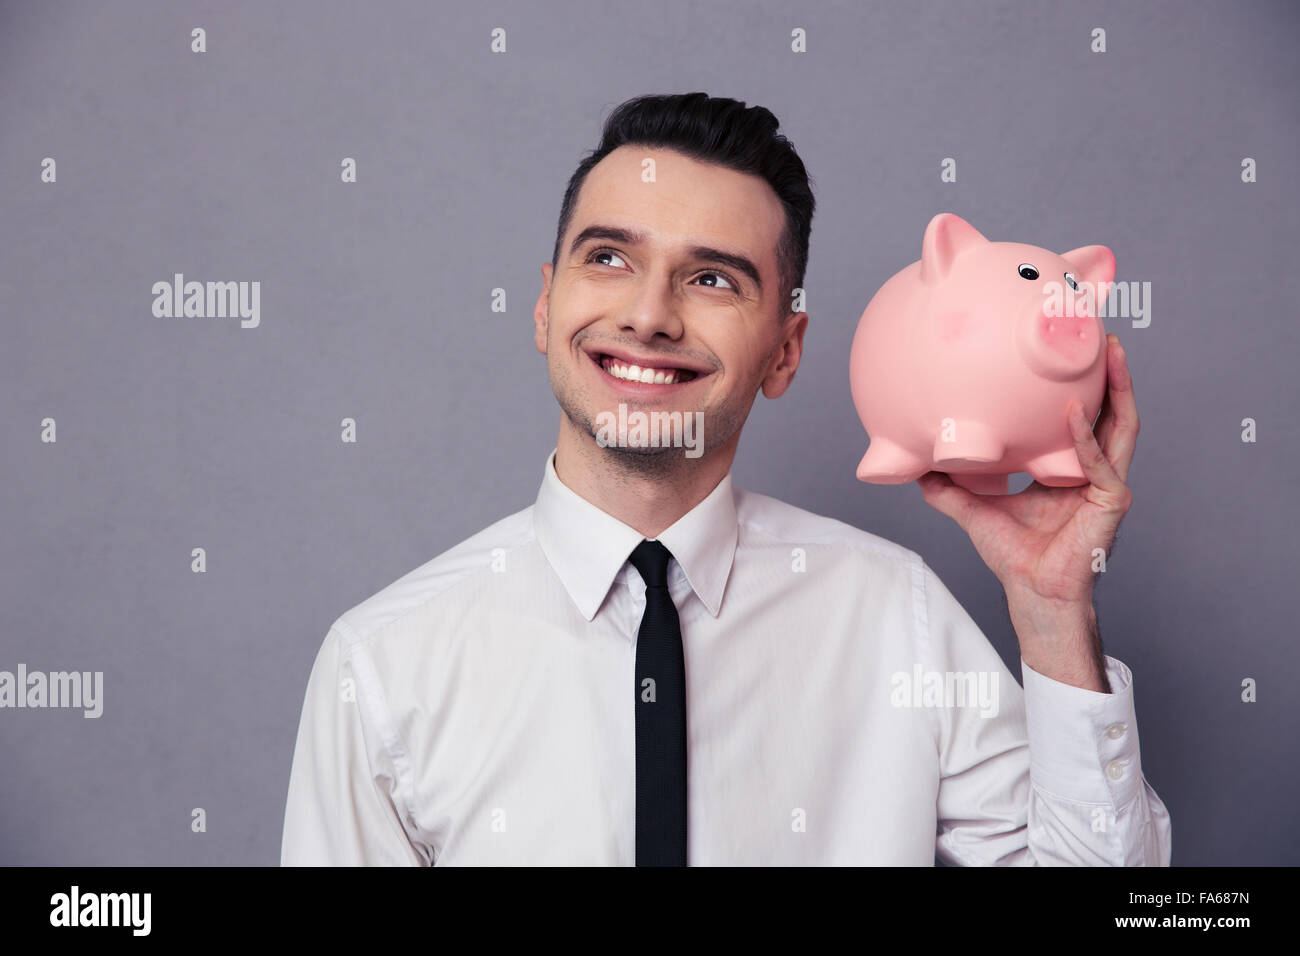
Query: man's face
{"points": [[657, 274]]}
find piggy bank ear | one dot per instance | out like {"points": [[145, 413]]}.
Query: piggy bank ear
{"points": [[1096, 264], [945, 238]]}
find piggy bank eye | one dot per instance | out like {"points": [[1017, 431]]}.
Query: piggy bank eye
{"points": [[1069, 280], [1027, 271]]}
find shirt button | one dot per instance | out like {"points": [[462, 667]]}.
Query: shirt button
{"points": [[1115, 731], [1114, 770]]}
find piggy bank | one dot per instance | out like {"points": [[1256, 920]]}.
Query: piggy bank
{"points": [[966, 361]]}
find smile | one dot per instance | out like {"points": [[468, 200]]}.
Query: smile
{"points": [[645, 375]]}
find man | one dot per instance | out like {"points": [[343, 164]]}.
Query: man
{"points": [[652, 666]]}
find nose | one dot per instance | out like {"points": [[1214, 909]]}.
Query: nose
{"points": [[651, 311]]}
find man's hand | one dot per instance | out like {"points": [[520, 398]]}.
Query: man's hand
{"points": [[1040, 542]]}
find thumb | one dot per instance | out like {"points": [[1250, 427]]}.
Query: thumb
{"points": [[943, 494]]}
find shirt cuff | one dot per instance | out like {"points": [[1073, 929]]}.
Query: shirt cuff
{"points": [[1083, 744]]}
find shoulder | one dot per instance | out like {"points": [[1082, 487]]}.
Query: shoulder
{"points": [[444, 578], [864, 575], [781, 522]]}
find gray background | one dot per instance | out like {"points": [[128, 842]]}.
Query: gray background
{"points": [[175, 434]]}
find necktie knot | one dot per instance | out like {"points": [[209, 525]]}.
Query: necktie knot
{"points": [[650, 558]]}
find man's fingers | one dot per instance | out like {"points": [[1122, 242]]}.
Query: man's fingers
{"points": [[942, 494], [1117, 428], [1097, 467]]}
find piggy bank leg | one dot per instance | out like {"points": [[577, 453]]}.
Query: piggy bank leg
{"points": [[888, 463], [982, 484], [966, 443], [1058, 469]]}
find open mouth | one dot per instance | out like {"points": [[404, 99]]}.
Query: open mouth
{"points": [[644, 375]]}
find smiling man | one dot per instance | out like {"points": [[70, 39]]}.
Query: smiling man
{"points": [[651, 665]]}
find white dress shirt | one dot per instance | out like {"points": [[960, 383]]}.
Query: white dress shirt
{"points": [[480, 709]]}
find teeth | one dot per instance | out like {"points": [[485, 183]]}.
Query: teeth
{"points": [[635, 373]]}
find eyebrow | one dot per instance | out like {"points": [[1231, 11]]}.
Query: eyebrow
{"points": [[633, 237]]}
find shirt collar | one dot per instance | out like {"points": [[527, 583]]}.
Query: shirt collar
{"points": [[587, 547]]}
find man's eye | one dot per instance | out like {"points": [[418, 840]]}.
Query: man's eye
{"points": [[719, 275], [605, 252]]}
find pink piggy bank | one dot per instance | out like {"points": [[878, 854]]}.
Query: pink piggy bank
{"points": [[966, 361]]}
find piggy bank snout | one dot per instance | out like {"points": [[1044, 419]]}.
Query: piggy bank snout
{"points": [[1060, 335]]}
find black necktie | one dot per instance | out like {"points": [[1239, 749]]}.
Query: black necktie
{"points": [[660, 717]]}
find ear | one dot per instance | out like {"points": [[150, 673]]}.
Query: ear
{"points": [[541, 309], [1096, 264], [788, 353], [946, 237]]}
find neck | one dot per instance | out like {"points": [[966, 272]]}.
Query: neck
{"points": [[646, 491]]}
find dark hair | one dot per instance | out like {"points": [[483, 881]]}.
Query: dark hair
{"points": [[715, 130]]}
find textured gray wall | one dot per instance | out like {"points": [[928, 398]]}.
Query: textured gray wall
{"points": [[174, 434]]}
